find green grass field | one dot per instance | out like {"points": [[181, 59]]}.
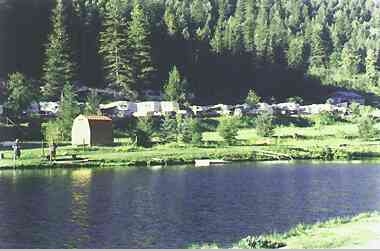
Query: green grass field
{"points": [[287, 142]]}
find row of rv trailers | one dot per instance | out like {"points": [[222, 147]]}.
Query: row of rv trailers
{"points": [[125, 109]]}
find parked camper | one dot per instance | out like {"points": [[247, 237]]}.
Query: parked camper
{"points": [[289, 108], [148, 108], [346, 96], [169, 107], [49, 108], [119, 109]]}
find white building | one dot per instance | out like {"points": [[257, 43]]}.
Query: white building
{"points": [[169, 106], [49, 108], [147, 108], [120, 109]]}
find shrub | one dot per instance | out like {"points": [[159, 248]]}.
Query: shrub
{"points": [[325, 118], [144, 131], [252, 98], [264, 125], [190, 131], [295, 99], [228, 129], [286, 120], [259, 242], [52, 132], [247, 121], [168, 129], [367, 128]]}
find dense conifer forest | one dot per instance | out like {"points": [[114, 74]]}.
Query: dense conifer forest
{"points": [[220, 48]]}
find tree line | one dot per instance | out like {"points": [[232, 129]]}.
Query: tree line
{"points": [[215, 49]]}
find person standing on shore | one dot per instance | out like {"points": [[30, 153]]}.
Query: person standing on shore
{"points": [[52, 151], [16, 149]]}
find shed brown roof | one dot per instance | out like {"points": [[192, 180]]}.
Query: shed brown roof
{"points": [[98, 118]]}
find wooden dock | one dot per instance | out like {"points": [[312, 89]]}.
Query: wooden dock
{"points": [[209, 162]]}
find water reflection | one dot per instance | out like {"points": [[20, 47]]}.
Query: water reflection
{"points": [[80, 187]]}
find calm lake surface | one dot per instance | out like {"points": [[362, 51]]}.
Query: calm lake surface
{"points": [[174, 207]]}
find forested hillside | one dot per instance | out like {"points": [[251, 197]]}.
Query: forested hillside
{"points": [[222, 48]]}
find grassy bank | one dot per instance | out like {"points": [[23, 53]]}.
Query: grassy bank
{"points": [[339, 141], [345, 232]]}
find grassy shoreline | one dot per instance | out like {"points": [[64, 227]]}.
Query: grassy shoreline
{"points": [[341, 232], [335, 142]]}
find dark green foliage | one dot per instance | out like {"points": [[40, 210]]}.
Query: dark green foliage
{"points": [[259, 242], [190, 130], [299, 121], [20, 94], [325, 118], [169, 129], [264, 125], [367, 128], [295, 99], [144, 131], [278, 48], [247, 121], [51, 132], [175, 87], [68, 110], [228, 129], [92, 104], [113, 48], [58, 67], [139, 49], [252, 98]]}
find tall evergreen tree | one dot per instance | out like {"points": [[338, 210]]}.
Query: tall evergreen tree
{"points": [[113, 48], [175, 88], [68, 110], [262, 35], [140, 49], [372, 70], [248, 29], [58, 67]]}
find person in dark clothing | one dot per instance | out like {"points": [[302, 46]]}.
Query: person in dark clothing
{"points": [[16, 149], [52, 151]]}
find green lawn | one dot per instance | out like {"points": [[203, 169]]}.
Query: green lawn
{"points": [[290, 141]]}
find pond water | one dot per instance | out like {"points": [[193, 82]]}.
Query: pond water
{"points": [[177, 206]]}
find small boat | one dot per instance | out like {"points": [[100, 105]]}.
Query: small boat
{"points": [[208, 162]]}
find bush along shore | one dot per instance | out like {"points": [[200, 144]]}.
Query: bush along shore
{"points": [[359, 231]]}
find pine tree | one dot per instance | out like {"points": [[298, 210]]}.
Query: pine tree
{"points": [[262, 35], [350, 61], [68, 110], [20, 93], [140, 48], [113, 48], [175, 88], [248, 29], [318, 50], [217, 41], [278, 34], [372, 71], [296, 53], [92, 104], [58, 67]]}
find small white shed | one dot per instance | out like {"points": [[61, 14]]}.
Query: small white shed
{"points": [[92, 130]]}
